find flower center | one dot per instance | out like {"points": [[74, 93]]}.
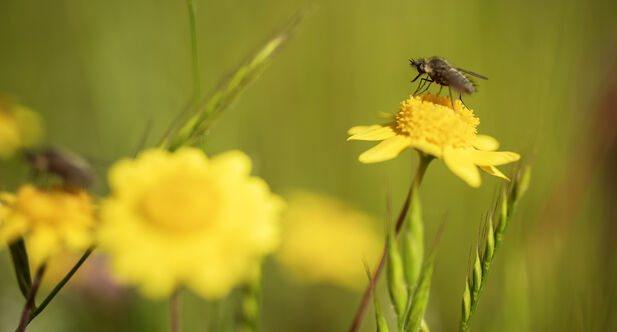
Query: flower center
{"points": [[433, 119], [181, 203]]}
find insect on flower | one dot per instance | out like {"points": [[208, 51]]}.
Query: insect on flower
{"points": [[71, 168], [443, 73]]}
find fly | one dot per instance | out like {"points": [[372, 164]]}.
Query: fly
{"points": [[440, 71]]}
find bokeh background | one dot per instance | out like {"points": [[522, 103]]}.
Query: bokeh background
{"points": [[106, 74]]}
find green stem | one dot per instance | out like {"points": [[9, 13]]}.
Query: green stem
{"points": [[61, 284], [23, 321], [174, 311], [250, 303], [194, 51], [415, 184]]}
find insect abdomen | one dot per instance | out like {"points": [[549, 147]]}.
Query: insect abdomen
{"points": [[459, 83]]}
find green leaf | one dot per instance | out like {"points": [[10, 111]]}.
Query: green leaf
{"points": [[489, 248], [420, 297], [424, 326], [523, 183], [477, 275], [503, 219], [466, 301], [382, 324], [396, 279], [412, 243], [21, 265], [380, 320]]}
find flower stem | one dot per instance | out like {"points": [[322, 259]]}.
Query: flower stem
{"points": [[415, 184], [194, 51], [250, 303], [61, 284], [25, 314], [174, 310]]}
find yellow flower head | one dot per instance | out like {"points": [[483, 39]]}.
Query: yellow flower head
{"points": [[433, 126], [20, 127], [52, 221], [326, 241], [182, 219]]}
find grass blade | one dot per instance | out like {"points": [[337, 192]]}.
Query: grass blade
{"points": [[229, 90]]}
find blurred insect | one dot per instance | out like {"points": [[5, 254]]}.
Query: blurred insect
{"points": [[71, 168], [443, 73]]}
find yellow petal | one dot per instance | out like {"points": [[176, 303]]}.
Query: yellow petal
{"points": [[374, 133], [232, 162], [11, 229], [485, 143], [492, 170], [427, 147], [42, 244], [460, 163], [494, 158], [6, 198], [385, 150], [361, 129]]}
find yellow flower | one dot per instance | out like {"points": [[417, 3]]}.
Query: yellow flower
{"points": [[51, 221], [19, 127], [182, 219], [431, 125], [325, 240]]}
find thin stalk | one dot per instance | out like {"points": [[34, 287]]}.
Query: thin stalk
{"points": [[23, 322], [415, 184], [194, 52], [174, 311], [251, 298], [61, 284]]}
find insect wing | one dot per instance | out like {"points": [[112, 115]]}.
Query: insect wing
{"points": [[473, 74]]}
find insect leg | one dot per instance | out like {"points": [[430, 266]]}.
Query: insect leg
{"points": [[428, 86], [461, 99], [420, 85], [440, 87], [416, 78], [451, 100]]}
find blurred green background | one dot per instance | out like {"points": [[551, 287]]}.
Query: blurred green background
{"points": [[105, 73]]}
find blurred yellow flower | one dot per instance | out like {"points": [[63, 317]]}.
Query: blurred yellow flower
{"points": [[433, 126], [20, 127], [325, 240], [182, 219], [51, 221]]}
